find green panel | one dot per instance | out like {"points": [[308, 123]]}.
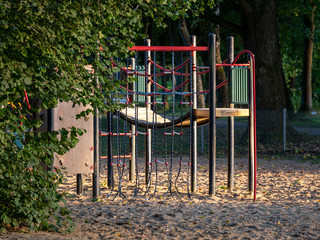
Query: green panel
{"points": [[141, 83], [239, 85]]}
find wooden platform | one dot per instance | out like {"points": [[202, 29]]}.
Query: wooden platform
{"points": [[151, 119], [222, 112]]}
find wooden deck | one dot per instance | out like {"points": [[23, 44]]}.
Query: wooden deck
{"points": [[222, 112], [157, 120]]}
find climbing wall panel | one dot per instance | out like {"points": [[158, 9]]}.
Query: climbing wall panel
{"points": [[79, 159]]}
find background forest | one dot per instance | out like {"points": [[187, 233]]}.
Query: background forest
{"points": [[284, 35], [43, 47]]}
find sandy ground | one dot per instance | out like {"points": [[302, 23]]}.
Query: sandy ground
{"points": [[287, 206]]}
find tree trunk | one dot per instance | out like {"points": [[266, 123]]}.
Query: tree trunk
{"points": [[184, 33], [306, 99], [200, 98], [221, 75], [260, 35], [259, 30], [173, 33]]}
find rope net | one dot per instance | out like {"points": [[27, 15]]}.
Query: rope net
{"points": [[151, 135]]}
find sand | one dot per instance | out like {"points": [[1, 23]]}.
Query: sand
{"points": [[287, 206]]}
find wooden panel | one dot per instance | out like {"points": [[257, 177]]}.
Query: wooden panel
{"points": [[80, 158], [222, 112]]}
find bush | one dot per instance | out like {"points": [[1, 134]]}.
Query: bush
{"points": [[44, 47], [28, 192]]}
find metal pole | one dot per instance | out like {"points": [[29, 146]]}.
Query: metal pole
{"points": [[212, 114], [202, 139], [147, 42], [96, 145], [96, 157], [50, 128], [132, 166], [230, 119], [79, 184], [194, 161], [284, 125], [251, 123], [110, 149]]}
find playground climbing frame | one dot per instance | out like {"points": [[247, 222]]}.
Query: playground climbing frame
{"points": [[165, 97]]}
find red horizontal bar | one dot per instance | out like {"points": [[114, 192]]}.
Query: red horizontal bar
{"points": [[103, 134], [169, 48], [115, 156], [233, 65]]}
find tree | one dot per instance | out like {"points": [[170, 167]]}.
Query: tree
{"points": [[184, 33], [221, 75], [300, 64], [45, 45], [259, 30], [309, 21]]}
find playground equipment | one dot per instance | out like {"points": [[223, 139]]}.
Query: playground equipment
{"points": [[165, 97]]}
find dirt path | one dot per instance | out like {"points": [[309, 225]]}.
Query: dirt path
{"points": [[288, 207], [313, 131]]}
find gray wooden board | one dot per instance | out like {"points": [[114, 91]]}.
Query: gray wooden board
{"points": [[79, 159]]}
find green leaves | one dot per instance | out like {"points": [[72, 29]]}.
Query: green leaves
{"points": [[27, 81], [5, 219], [45, 46]]}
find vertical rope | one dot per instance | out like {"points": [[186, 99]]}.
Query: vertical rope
{"points": [[137, 187], [122, 166], [110, 155], [181, 136], [155, 144], [153, 137], [148, 107], [119, 149], [191, 113], [173, 115], [126, 120]]}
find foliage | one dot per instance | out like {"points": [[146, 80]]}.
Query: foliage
{"points": [[45, 45], [28, 192], [292, 32]]}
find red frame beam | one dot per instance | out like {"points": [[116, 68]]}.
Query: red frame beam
{"points": [[168, 48]]}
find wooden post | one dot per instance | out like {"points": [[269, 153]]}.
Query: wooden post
{"points": [[251, 123], [110, 149], [96, 157], [132, 165], [148, 106], [79, 184], [284, 128], [193, 126], [230, 119], [96, 145], [202, 139], [212, 114]]}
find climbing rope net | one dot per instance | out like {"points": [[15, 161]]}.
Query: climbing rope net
{"points": [[156, 124], [163, 92]]}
